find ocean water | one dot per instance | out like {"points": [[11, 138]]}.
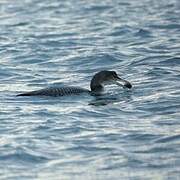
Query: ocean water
{"points": [[124, 134]]}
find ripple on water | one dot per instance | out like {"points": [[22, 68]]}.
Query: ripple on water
{"points": [[132, 134], [23, 156]]}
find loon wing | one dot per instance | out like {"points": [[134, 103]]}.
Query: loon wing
{"points": [[55, 91]]}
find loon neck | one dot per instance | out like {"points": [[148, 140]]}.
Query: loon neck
{"points": [[97, 88], [96, 85]]}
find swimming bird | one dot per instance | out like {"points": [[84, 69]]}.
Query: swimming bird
{"points": [[97, 84]]}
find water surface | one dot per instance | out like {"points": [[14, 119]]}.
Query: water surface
{"points": [[122, 135]]}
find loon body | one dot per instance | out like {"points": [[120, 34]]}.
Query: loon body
{"points": [[55, 91], [97, 85]]}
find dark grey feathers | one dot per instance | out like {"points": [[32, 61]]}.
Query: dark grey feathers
{"points": [[55, 91]]}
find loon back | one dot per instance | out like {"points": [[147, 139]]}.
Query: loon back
{"points": [[55, 91]]}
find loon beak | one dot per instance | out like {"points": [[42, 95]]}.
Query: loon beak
{"points": [[122, 82]]}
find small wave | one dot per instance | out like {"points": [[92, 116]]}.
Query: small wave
{"points": [[175, 61], [143, 33], [21, 155], [168, 139]]}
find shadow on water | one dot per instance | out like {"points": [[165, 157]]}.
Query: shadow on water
{"points": [[109, 98]]}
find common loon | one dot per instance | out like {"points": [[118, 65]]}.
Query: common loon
{"points": [[97, 85]]}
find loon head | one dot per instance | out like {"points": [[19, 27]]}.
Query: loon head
{"points": [[107, 77]]}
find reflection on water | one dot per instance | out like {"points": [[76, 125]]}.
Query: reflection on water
{"points": [[109, 98]]}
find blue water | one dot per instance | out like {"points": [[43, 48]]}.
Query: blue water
{"points": [[121, 135]]}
